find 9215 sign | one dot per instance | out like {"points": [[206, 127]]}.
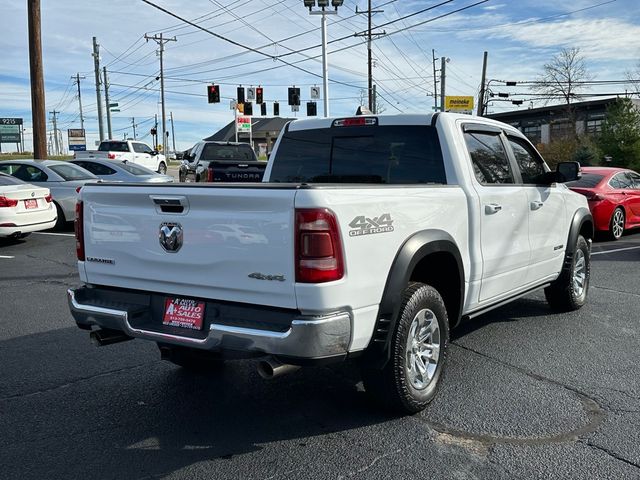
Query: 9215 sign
{"points": [[10, 121]]}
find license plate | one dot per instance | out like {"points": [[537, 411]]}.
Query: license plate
{"points": [[183, 313], [31, 203]]}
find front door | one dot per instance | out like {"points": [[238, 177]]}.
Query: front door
{"points": [[545, 209]]}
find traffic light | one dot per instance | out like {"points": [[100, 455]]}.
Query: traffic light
{"points": [[240, 97], [248, 108], [312, 109], [259, 95], [276, 109], [294, 96], [213, 93], [263, 109], [153, 131]]}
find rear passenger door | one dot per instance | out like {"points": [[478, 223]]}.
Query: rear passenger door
{"points": [[504, 225], [548, 231], [142, 155]]}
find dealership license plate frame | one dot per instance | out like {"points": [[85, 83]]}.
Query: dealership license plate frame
{"points": [[184, 313]]}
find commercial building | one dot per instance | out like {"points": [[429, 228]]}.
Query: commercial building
{"points": [[545, 124]]}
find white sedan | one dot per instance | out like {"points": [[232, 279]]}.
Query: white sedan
{"points": [[24, 208]]}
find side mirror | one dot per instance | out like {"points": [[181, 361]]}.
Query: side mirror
{"points": [[154, 152], [568, 172]]}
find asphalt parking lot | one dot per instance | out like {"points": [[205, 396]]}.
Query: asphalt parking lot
{"points": [[528, 394]]}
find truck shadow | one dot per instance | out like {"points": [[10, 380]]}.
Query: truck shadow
{"points": [[526, 307], [126, 414]]}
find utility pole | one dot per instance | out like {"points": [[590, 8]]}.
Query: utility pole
{"points": [[106, 101], [173, 133], [133, 124], [37, 81], [55, 131], [482, 85], [370, 34], [155, 136], [77, 79], [96, 66], [160, 40], [443, 63], [435, 81]]}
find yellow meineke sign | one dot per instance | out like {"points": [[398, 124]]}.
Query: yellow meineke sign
{"points": [[457, 104]]}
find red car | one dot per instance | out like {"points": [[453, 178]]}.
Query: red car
{"points": [[614, 198]]}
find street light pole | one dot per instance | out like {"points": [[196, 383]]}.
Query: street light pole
{"points": [[323, 5], [325, 68]]}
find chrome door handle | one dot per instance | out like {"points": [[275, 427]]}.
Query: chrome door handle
{"points": [[536, 205], [492, 208]]}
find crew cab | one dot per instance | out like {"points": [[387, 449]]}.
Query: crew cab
{"points": [[211, 161], [126, 150], [370, 238]]}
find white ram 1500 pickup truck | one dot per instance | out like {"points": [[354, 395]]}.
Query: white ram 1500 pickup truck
{"points": [[370, 238]]}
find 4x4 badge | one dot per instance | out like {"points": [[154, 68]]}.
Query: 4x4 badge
{"points": [[363, 225]]}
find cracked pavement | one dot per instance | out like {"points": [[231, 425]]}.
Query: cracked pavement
{"points": [[527, 394]]}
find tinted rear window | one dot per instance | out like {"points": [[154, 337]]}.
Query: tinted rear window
{"points": [[113, 147], [588, 180], [371, 154], [236, 153], [72, 172]]}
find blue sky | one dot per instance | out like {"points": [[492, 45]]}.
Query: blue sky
{"points": [[520, 37]]}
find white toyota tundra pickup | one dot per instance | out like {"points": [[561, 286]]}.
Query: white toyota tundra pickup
{"points": [[370, 238]]}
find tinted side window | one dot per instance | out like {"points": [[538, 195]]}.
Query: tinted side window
{"points": [[636, 180], [361, 154], [621, 181], [530, 164], [27, 173], [490, 163]]}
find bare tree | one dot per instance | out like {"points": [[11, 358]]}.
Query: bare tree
{"points": [[563, 77], [633, 77]]}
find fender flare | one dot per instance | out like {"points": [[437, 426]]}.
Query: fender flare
{"points": [[580, 217], [413, 250]]}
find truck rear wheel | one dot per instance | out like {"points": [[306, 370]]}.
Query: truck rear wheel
{"points": [[191, 359], [569, 291], [411, 377]]}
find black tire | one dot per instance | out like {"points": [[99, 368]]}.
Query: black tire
{"points": [[392, 386], [616, 229], [61, 222], [191, 359], [182, 177], [565, 294], [162, 168]]}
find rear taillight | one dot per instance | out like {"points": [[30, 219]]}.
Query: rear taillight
{"points": [[111, 156], [78, 189], [594, 197], [78, 225], [210, 174], [7, 202], [48, 198], [318, 246]]}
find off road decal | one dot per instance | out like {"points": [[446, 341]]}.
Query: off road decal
{"points": [[367, 226]]}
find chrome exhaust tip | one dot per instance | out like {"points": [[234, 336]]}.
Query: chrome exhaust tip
{"points": [[271, 368], [105, 337]]}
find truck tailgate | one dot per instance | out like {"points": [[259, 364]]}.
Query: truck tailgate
{"points": [[236, 243]]}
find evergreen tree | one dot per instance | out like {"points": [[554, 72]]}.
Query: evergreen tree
{"points": [[620, 135]]}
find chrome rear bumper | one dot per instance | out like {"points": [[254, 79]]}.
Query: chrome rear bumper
{"points": [[308, 337]]}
